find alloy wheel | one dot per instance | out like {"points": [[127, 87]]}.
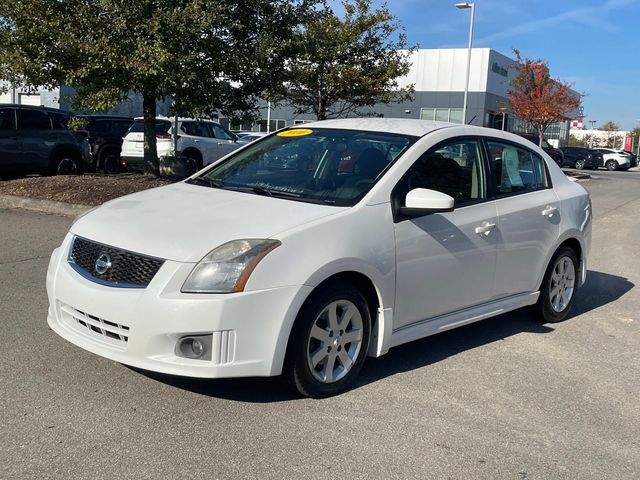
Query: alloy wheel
{"points": [[335, 341], [562, 283], [67, 166]]}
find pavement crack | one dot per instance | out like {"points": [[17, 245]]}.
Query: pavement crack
{"points": [[23, 260]]}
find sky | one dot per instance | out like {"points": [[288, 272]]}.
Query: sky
{"points": [[595, 45]]}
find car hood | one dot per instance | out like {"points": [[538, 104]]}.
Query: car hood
{"points": [[184, 222]]}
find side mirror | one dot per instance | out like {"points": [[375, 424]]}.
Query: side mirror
{"points": [[422, 201]]}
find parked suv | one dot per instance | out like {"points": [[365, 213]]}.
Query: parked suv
{"points": [[615, 159], [105, 134], [200, 141], [580, 158], [553, 152], [38, 140]]}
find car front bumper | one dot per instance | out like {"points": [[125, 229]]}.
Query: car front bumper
{"points": [[141, 326]]}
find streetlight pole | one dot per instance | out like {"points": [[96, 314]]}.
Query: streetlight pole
{"points": [[463, 6]]}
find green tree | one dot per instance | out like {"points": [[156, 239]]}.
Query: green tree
{"points": [[612, 129], [341, 65], [212, 56], [537, 98]]}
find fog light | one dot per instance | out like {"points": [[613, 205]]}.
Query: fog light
{"points": [[197, 347]]}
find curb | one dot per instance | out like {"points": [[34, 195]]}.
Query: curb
{"points": [[44, 206], [576, 175]]}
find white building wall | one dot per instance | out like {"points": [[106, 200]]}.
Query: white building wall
{"points": [[444, 70]]}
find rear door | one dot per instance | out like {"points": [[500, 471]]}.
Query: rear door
{"points": [[528, 216], [9, 141]]}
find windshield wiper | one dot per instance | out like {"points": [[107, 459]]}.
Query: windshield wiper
{"points": [[273, 193]]}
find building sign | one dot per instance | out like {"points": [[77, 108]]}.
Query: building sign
{"points": [[628, 143], [499, 69]]}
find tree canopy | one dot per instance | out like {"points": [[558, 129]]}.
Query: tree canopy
{"points": [[213, 56], [537, 98], [340, 65]]}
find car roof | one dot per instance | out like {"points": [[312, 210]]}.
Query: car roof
{"points": [[35, 107], [180, 119], [403, 126], [104, 117]]}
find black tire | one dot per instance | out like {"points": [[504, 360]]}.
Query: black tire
{"points": [[66, 163], [297, 371], [110, 161], [611, 165], [545, 306], [192, 163], [580, 164]]}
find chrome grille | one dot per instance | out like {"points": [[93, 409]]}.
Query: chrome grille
{"points": [[127, 269]]}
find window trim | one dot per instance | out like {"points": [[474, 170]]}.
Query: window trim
{"points": [[397, 203], [494, 194]]}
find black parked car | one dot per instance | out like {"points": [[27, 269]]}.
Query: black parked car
{"points": [[580, 157], [38, 140], [553, 152], [105, 138]]}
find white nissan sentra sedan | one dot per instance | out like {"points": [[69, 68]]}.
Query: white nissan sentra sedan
{"points": [[304, 252]]}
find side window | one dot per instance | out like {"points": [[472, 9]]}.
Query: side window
{"points": [[454, 168], [7, 119], [219, 132], [33, 120], [59, 121], [515, 169]]}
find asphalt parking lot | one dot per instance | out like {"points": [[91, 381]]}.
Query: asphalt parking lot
{"points": [[504, 398]]}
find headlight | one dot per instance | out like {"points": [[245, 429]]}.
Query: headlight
{"points": [[227, 268]]}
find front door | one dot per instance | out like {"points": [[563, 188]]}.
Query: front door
{"points": [[446, 262]]}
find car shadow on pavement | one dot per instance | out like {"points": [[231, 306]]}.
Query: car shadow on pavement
{"points": [[599, 289]]}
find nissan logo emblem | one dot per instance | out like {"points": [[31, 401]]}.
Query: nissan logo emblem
{"points": [[103, 263]]}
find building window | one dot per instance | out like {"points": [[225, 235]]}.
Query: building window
{"points": [[274, 125], [453, 115], [427, 113]]}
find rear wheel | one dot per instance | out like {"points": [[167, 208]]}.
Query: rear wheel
{"points": [[66, 164], [580, 163], [110, 161], [611, 165], [558, 287], [329, 342], [192, 163]]}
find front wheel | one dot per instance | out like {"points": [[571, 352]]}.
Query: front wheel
{"points": [[580, 163], [611, 165], [329, 342], [558, 287]]}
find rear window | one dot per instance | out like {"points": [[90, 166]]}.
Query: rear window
{"points": [[7, 119], [162, 126]]}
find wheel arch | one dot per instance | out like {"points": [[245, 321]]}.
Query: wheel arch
{"points": [[576, 245], [360, 280], [197, 154]]}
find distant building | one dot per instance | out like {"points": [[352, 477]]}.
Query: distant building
{"points": [[438, 76], [600, 138]]}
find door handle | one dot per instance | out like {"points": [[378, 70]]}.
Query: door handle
{"points": [[196, 141], [485, 228], [549, 211]]}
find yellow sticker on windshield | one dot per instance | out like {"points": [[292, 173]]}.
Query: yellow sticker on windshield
{"points": [[296, 132]]}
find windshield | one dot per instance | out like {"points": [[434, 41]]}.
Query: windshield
{"points": [[329, 166]]}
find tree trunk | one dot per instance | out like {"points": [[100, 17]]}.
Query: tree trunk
{"points": [[540, 137], [150, 146]]}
